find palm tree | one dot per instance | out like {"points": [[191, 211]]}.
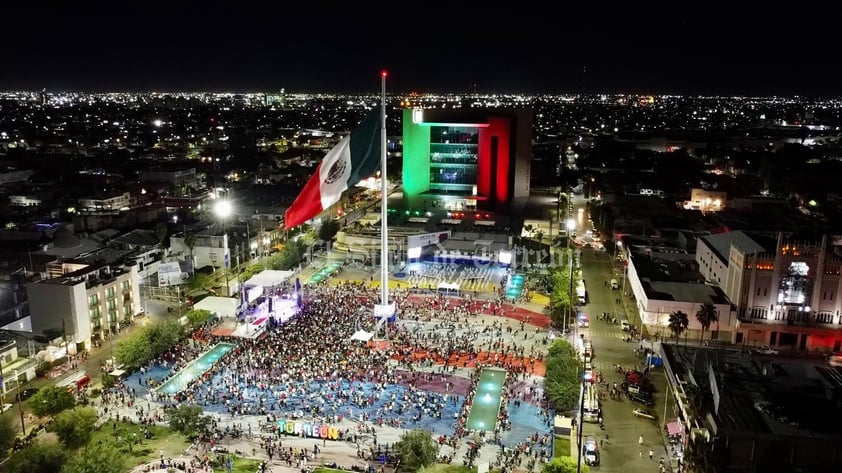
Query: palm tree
{"points": [[699, 399], [678, 323], [190, 243], [706, 316], [161, 234]]}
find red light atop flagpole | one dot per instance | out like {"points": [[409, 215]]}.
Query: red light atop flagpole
{"points": [[384, 73]]}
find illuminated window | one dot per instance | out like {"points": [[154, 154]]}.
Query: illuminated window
{"points": [[795, 287]]}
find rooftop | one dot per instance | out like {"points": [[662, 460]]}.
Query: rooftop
{"points": [[761, 394]]}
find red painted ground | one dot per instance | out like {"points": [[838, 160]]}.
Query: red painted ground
{"points": [[508, 310]]}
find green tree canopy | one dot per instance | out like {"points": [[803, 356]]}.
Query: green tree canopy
{"points": [[563, 375], [134, 351], [51, 400], [39, 457], [199, 281], [197, 317], [328, 230], [74, 427], [289, 256], [563, 465], [189, 420], [7, 435], [416, 449], [162, 336], [102, 459]]}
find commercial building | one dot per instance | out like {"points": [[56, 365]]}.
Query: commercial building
{"points": [[786, 291], [85, 302], [466, 159], [664, 279]]}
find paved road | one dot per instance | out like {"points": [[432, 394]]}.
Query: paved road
{"points": [[622, 453]]}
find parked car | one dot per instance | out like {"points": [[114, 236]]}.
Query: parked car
{"points": [[765, 351], [625, 326], [633, 377], [27, 393], [641, 398], [644, 413], [591, 451]]}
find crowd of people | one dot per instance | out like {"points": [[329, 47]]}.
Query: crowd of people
{"points": [[309, 368]]}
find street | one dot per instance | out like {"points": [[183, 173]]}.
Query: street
{"points": [[621, 452]]}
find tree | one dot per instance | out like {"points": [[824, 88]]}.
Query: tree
{"points": [[199, 281], [190, 242], [563, 377], [163, 336], [7, 435], [706, 315], [51, 400], [416, 449], [563, 465], [74, 427], [197, 317], [189, 420], [328, 230], [37, 458], [102, 459], [134, 351], [678, 323], [161, 234], [289, 256], [561, 302]]}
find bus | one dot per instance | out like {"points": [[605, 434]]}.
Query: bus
{"points": [[591, 409], [581, 292]]}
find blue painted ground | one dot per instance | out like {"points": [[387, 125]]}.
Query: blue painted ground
{"points": [[156, 373], [416, 409], [526, 420]]}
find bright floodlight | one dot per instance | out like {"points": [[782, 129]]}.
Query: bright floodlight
{"points": [[157, 122], [222, 208], [571, 224], [504, 257], [414, 252]]}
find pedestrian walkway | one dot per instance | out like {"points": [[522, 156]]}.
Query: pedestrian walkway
{"points": [[614, 334]]}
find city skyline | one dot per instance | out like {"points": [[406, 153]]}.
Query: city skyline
{"points": [[458, 48]]}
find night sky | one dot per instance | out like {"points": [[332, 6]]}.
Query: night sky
{"points": [[311, 46]]}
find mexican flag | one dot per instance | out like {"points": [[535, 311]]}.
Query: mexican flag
{"points": [[354, 158]]}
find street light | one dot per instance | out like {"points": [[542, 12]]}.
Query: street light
{"points": [[223, 209], [571, 224]]}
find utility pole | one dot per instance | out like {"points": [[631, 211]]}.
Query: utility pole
{"points": [[20, 406]]}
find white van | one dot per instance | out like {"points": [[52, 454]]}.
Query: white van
{"points": [[615, 284]]}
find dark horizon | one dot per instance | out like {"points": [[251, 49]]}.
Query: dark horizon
{"points": [[217, 47]]}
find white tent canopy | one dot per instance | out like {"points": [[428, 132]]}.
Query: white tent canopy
{"points": [[221, 306], [444, 286], [269, 278], [362, 335]]}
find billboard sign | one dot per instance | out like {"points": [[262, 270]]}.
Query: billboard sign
{"points": [[425, 239]]}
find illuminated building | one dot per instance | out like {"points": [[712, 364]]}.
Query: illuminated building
{"points": [[786, 292], [466, 159]]}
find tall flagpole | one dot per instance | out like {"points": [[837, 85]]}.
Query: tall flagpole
{"points": [[384, 237]]}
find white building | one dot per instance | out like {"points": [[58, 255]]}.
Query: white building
{"points": [[116, 202], [208, 250], [84, 303], [665, 280], [786, 291], [16, 370]]}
